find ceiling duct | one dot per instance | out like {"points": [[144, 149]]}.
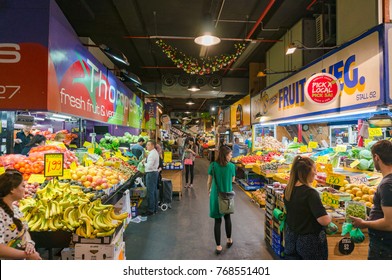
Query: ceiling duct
{"points": [[169, 80], [184, 80], [215, 81]]}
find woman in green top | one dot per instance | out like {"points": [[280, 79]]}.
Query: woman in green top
{"points": [[224, 173]]}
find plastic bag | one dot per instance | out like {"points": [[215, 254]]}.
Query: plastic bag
{"points": [[357, 236], [356, 209], [331, 228], [141, 168], [346, 228]]}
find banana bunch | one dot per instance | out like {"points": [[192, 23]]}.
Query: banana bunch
{"points": [[98, 220]]}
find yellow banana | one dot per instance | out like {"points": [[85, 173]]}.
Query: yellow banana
{"points": [[47, 212], [118, 217], [106, 233], [66, 213], [51, 225]]}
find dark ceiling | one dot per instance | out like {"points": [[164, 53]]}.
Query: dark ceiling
{"points": [[110, 22]]}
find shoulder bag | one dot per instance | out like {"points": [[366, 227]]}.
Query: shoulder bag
{"points": [[225, 199]]}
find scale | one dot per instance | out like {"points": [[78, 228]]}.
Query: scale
{"points": [[339, 140]]}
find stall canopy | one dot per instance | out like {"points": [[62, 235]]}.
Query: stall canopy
{"points": [[359, 67], [44, 66]]}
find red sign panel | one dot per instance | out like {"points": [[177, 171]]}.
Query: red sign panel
{"points": [[322, 89]]}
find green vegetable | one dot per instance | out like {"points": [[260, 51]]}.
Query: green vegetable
{"points": [[355, 209], [365, 154], [370, 145], [363, 164]]}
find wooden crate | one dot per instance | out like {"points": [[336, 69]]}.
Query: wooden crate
{"points": [[177, 182], [360, 250]]}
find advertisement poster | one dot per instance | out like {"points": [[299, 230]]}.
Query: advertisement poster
{"points": [[151, 116], [358, 67], [240, 112]]}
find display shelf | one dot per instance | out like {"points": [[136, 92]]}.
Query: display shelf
{"points": [[243, 184]]}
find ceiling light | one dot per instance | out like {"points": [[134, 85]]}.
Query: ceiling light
{"points": [[300, 46], [213, 108], [142, 90], [269, 72], [291, 49], [190, 102], [61, 116], [39, 119], [115, 54], [193, 87], [132, 77], [187, 112], [207, 38]]}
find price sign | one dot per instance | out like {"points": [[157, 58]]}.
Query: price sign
{"points": [[90, 151], [303, 149], [107, 155], [322, 159], [100, 161], [36, 178], [67, 175], [88, 162], [73, 146], [87, 144], [346, 246], [354, 163], [167, 157], [313, 145], [314, 184], [61, 146], [117, 164], [282, 170], [374, 132], [330, 199], [53, 165], [295, 140], [73, 166], [367, 141], [118, 154], [360, 179], [2, 170], [341, 148], [336, 179]]}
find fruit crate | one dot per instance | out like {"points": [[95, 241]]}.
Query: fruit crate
{"points": [[98, 240]]}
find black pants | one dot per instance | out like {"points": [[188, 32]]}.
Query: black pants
{"points": [[189, 169], [217, 229]]}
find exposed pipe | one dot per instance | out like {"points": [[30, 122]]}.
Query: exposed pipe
{"points": [[220, 12], [202, 104], [236, 21], [310, 5], [192, 38], [260, 19]]}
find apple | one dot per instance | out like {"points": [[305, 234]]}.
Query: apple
{"points": [[89, 178]]}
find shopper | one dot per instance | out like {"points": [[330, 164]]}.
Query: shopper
{"points": [[158, 147], [151, 169], [180, 144], [223, 172], [380, 217], [189, 161], [137, 149], [15, 241], [236, 147], [305, 237], [37, 140], [22, 139]]}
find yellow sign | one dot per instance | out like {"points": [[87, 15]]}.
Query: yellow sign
{"points": [[107, 155], [295, 140], [118, 154], [73, 166], [117, 164], [167, 157], [67, 175], [73, 146], [341, 148], [336, 179], [282, 170], [326, 168], [367, 141], [53, 165], [87, 144], [374, 132], [330, 199], [62, 146], [100, 161], [322, 159], [354, 163], [2, 170], [36, 178], [90, 151], [303, 149], [88, 162], [313, 145]]}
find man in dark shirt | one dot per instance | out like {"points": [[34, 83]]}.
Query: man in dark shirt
{"points": [[22, 139], [380, 218], [138, 149]]}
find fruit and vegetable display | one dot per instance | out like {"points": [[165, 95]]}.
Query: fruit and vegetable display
{"points": [[360, 193], [269, 143], [69, 137], [110, 142], [61, 206], [251, 159], [259, 196]]}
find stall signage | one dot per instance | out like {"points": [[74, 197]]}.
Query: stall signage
{"points": [[313, 145], [374, 132], [330, 199], [303, 149], [295, 140], [150, 115], [336, 179], [322, 159], [167, 157], [341, 148], [325, 168], [36, 178], [24, 119], [356, 69], [53, 165], [346, 246], [240, 113], [73, 166], [322, 89], [360, 179], [355, 163]]}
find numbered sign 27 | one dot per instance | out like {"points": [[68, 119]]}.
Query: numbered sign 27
{"points": [[54, 165]]}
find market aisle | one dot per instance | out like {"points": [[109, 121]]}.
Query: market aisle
{"points": [[186, 232]]}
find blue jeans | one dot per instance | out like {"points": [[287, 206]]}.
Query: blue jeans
{"points": [[152, 191], [380, 247]]}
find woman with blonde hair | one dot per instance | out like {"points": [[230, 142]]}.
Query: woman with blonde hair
{"points": [[305, 237]]}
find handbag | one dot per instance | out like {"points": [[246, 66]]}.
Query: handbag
{"points": [[188, 161], [225, 199]]}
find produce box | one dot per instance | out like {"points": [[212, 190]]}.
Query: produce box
{"points": [[68, 254], [99, 240]]}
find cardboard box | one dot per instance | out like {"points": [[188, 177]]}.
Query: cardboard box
{"points": [[68, 254]]}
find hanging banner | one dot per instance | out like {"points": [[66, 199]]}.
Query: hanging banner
{"points": [[151, 115], [353, 80], [240, 113]]}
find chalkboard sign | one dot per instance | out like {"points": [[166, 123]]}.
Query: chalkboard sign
{"points": [[346, 246]]}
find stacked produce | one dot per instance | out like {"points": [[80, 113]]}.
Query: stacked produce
{"points": [[360, 192], [66, 207], [259, 196], [128, 169], [364, 156], [269, 143], [50, 136], [31, 189], [252, 159], [110, 142], [237, 159], [271, 167]]}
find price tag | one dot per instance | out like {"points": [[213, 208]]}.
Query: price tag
{"points": [[314, 184], [330, 199], [62, 146], [295, 140], [106, 155], [88, 162], [73, 146], [313, 145], [374, 132], [53, 165], [36, 178], [354, 163], [118, 154], [341, 148], [90, 151], [367, 141], [117, 164], [2, 170], [282, 170], [360, 179], [336, 179], [73, 166], [167, 157], [303, 149], [100, 161], [124, 158], [346, 246], [67, 175], [322, 159], [87, 144]]}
